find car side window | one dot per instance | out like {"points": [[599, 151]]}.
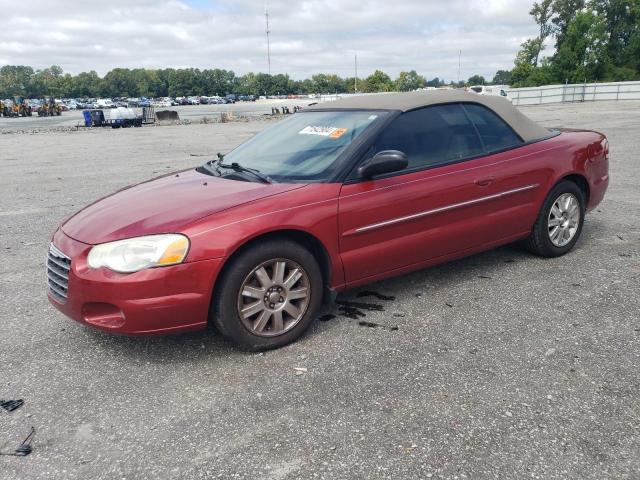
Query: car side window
{"points": [[495, 133], [431, 136]]}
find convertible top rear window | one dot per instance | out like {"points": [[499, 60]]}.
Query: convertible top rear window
{"points": [[495, 133]]}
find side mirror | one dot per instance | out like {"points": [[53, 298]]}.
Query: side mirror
{"points": [[386, 161]]}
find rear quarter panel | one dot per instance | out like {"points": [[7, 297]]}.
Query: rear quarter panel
{"points": [[584, 153]]}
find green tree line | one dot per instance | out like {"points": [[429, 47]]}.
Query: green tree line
{"points": [[595, 40], [168, 82]]}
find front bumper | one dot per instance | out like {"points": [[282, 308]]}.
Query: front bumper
{"points": [[153, 301]]}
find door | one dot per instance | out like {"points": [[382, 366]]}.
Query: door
{"points": [[451, 198]]}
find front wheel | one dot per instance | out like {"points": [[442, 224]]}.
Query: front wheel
{"points": [[559, 222], [268, 295]]}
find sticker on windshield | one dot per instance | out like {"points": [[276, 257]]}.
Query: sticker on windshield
{"points": [[331, 132]]}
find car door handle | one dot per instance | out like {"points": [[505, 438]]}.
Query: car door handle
{"points": [[484, 182]]}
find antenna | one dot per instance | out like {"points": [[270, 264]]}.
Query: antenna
{"points": [[355, 79], [266, 16]]}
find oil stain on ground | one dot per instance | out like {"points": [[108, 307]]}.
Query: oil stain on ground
{"points": [[379, 296], [356, 310]]}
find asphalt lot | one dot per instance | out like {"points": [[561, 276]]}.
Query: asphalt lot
{"points": [[503, 365]]}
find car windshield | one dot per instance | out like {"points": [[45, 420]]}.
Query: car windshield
{"points": [[304, 147]]}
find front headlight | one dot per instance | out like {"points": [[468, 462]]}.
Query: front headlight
{"points": [[134, 254]]}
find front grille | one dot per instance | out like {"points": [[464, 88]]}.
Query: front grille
{"points": [[58, 266]]}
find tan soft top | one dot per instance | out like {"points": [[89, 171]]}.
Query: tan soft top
{"points": [[523, 126]]}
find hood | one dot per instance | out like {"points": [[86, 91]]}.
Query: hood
{"points": [[163, 205]]}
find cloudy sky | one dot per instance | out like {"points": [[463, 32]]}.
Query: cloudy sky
{"points": [[307, 36]]}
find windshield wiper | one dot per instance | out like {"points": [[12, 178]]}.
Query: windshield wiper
{"points": [[239, 168], [213, 164], [217, 163]]}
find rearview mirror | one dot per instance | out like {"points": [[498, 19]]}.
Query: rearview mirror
{"points": [[386, 161]]}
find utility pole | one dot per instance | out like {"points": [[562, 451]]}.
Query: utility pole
{"points": [[266, 15], [459, 60], [355, 79]]}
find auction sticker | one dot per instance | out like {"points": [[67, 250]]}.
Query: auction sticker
{"points": [[331, 132]]}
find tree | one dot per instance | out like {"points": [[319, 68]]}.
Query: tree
{"points": [[264, 84], [85, 84], [563, 12], [542, 13], [529, 52], [145, 83], [378, 81], [631, 53], [218, 82], [583, 52], [327, 83], [622, 20], [408, 81], [184, 82], [435, 82], [14, 80], [281, 84], [47, 82], [476, 80], [349, 84], [119, 82], [502, 77], [520, 75]]}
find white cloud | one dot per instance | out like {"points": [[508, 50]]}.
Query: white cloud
{"points": [[307, 36]]}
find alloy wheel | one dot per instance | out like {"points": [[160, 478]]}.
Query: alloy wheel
{"points": [[564, 219], [274, 297]]}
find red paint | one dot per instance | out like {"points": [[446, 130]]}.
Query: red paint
{"points": [[449, 212]]}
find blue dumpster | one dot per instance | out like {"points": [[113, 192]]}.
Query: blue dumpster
{"points": [[87, 118]]}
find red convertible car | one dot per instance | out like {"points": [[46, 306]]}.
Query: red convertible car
{"points": [[336, 196]]}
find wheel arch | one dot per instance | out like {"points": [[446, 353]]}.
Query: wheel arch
{"points": [[581, 182], [304, 238]]}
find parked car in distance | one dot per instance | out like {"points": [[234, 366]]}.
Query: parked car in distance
{"points": [[163, 102], [489, 90], [105, 103], [339, 195], [60, 105], [70, 104]]}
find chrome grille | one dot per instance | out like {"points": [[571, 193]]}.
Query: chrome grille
{"points": [[58, 266]]}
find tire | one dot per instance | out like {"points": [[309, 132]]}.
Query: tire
{"points": [[548, 239], [267, 329]]}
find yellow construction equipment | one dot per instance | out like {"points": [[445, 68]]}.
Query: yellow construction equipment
{"points": [[49, 108], [20, 107], [5, 109]]}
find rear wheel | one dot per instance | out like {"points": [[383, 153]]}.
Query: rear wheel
{"points": [[268, 296], [559, 222]]}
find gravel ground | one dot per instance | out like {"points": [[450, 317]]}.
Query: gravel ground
{"points": [[503, 365]]}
